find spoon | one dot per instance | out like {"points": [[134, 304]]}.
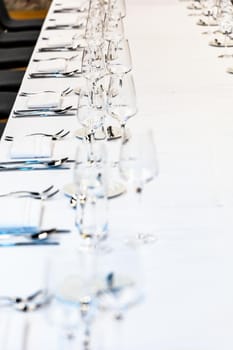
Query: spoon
{"points": [[43, 235], [42, 111], [17, 300]]}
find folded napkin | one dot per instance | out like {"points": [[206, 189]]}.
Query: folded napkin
{"points": [[31, 147], [55, 66], [71, 21], [12, 323], [59, 42], [220, 43], [44, 100], [19, 215], [72, 5]]}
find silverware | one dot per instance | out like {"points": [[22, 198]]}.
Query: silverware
{"points": [[44, 234], [70, 10], [65, 26], [33, 234], [26, 244], [43, 110], [57, 136], [30, 303], [16, 299], [32, 168], [56, 58], [56, 75], [65, 92], [45, 194], [53, 162]]}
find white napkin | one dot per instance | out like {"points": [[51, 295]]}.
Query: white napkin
{"points": [[12, 323], [31, 147], [60, 41], [20, 214], [71, 21], [44, 100], [72, 5], [55, 66]]}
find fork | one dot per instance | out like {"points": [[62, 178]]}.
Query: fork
{"points": [[56, 58], [17, 299], [65, 92], [45, 194], [57, 136]]}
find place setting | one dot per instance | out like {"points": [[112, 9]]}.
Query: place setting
{"points": [[48, 103], [71, 7], [62, 43], [57, 67], [25, 228], [71, 22], [34, 151]]}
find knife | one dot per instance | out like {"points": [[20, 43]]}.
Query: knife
{"points": [[34, 243], [31, 161], [27, 233], [55, 75], [27, 168], [43, 114]]}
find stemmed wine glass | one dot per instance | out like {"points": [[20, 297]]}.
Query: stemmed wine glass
{"points": [[138, 165], [91, 110], [120, 282], [118, 5], [71, 284], [90, 179], [118, 57], [121, 99], [226, 27]]}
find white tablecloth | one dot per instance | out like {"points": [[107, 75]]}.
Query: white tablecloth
{"points": [[186, 96]]}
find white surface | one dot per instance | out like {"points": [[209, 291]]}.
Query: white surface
{"points": [[185, 95]]}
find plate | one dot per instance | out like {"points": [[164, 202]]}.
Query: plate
{"points": [[207, 22], [112, 133], [230, 70], [220, 43], [115, 189], [194, 7]]}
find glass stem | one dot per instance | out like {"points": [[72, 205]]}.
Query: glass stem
{"points": [[139, 201]]}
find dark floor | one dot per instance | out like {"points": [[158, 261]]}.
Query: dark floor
{"points": [[27, 4]]}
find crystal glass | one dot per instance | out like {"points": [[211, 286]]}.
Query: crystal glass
{"points": [[138, 165], [90, 179], [117, 5], [120, 278], [91, 110], [121, 98], [118, 57], [120, 286], [226, 27], [113, 27], [72, 286]]}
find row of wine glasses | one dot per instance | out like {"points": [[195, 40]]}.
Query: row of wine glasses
{"points": [[99, 275], [218, 15]]}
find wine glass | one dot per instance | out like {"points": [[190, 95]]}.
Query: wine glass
{"points": [[117, 5], [72, 286], [120, 278], [121, 99], [138, 165], [90, 180], [120, 283], [226, 27], [113, 27], [91, 111], [118, 57]]}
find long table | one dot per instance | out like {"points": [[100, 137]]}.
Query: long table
{"points": [[185, 95]]}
